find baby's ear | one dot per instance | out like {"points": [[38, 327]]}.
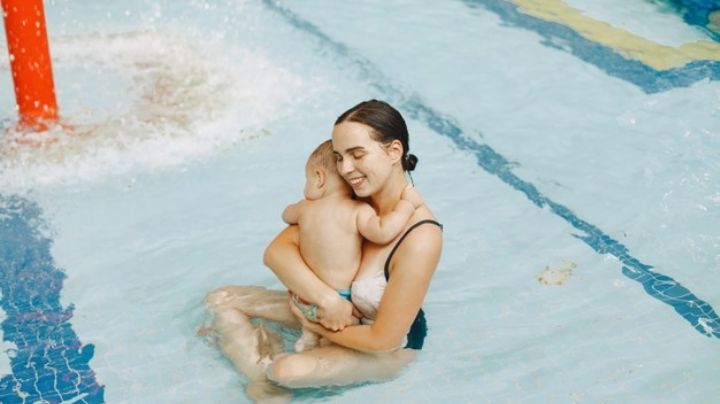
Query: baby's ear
{"points": [[320, 177]]}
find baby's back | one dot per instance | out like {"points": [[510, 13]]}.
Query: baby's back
{"points": [[329, 240]]}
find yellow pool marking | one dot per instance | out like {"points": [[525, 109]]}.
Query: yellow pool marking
{"points": [[714, 21], [658, 56]]}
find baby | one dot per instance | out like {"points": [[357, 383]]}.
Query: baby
{"points": [[332, 226]]}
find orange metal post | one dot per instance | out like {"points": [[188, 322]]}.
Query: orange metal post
{"points": [[30, 62]]}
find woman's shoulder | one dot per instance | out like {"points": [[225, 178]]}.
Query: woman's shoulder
{"points": [[424, 215], [419, 249], [424, 228]]}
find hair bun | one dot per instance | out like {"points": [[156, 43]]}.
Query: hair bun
{"points": [[411, 161]]}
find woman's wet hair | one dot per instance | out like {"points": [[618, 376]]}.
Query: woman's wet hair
{"points": [[387, 125]]}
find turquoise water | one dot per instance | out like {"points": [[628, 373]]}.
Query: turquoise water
{"points": [[549, 157]]}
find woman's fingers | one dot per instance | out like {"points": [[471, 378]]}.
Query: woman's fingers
{"points": [[340, 314], [306, 312], [336, 314], [294, 308]]}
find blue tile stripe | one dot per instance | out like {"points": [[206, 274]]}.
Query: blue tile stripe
{"points": [[49, 364], [701, 316], [605, 58], [697, 12]]}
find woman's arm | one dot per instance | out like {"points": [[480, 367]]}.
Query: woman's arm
{"points": [[283, 257], [412, 268]]}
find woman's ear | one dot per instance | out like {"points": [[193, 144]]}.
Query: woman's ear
{"points": [[395, 150]]}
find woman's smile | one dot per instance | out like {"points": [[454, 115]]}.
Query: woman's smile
{"points": [[356, 182]]}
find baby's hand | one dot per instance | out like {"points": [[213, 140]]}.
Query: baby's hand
{"points": [[411, 195], [291, 214]]}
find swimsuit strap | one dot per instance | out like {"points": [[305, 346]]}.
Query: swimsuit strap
{"points": [[392, 252], [418, 329]]}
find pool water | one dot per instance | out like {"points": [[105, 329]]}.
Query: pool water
{"points": [[569, 149]]}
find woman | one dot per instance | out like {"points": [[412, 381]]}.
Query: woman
{"points": [[370, 141]]}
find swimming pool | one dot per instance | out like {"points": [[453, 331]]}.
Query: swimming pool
{"points": [[575, 174]]}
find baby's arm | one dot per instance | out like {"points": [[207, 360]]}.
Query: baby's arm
{"points": [[382, 229], [291, 214], [411, 195]]}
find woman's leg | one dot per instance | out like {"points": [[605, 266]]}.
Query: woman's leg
{"points": [[245, 345], [253, 302], [249, 348], [337, 365]]}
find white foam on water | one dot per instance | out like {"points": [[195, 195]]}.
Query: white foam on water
{"points": [[183, 102]]}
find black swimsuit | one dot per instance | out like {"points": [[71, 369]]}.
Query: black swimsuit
{"points": [[418, 329]]}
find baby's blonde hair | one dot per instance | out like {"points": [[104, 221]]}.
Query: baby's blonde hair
{"points": [[324, 157]]}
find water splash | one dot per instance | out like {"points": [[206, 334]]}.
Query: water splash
{"points": [[180, 102]]}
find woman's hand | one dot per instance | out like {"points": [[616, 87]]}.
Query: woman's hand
{"points": [[335, 313], [309, 312], [304, 321]]}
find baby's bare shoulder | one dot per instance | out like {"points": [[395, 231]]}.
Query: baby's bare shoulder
{"points": [[335, 207]]}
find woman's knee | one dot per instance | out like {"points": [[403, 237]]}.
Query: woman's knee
{"points": [[292, 370], [231, 295], [215, 297]]}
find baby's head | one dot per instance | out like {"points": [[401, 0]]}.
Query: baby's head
{"points": [[321, 176]]}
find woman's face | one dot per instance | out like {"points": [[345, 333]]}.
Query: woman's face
{"points": [[362, 161]]}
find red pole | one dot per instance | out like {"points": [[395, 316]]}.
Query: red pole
{"points": [[30, 62]]}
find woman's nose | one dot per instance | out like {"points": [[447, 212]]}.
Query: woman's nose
{"points": [[345, 166]]}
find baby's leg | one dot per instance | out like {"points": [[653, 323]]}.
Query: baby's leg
{"points": [[307, 341], [337, 365]]}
